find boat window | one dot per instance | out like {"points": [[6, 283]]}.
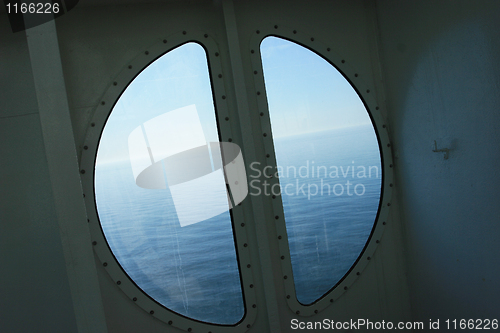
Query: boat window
{"points": [[161, 195], [328, 163]]}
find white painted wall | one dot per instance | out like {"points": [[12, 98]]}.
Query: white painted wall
{"points": [[442, 75], [34, 288], [438, 76]]}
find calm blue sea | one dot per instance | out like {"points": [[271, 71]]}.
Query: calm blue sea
{"points": [[329, 211]]}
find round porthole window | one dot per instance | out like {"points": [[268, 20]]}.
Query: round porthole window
{"points": [[328, 162], [179, 253]]}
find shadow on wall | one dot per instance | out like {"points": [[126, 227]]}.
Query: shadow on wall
{"points": [[449, 92]]}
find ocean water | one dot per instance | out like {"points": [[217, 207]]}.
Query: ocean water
{"points": [[191, 270], [194, 271], [331, 203]]}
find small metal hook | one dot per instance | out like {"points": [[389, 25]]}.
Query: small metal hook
{"points": [[446, 151]]}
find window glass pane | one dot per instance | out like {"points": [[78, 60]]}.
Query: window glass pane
{"points": [[161, 195], [328, 163]]}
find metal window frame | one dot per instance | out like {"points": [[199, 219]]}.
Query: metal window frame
{"points": [[367, 95], [87, 170]]}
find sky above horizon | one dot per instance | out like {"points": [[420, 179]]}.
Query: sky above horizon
{"points": [[305, 94]]}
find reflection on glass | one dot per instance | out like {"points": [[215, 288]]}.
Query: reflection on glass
{"points": [[161, 192], [328, 163]]}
